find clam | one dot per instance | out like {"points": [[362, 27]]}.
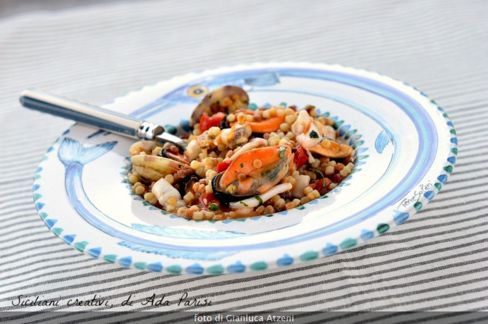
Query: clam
{"points": [[226, 99]]}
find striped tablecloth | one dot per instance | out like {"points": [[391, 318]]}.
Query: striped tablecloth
{"points": [[437, 261]]}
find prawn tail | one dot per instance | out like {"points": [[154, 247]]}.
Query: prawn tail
{"points": [[72, 151]]}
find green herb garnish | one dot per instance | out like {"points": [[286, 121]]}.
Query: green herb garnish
{"points": [[318, 172], [258, 198], [213, 207]]}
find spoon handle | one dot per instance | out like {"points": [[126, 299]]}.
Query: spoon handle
{"points": [[95, 116]]}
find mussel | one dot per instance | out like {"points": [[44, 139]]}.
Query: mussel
{"points": [[185, 185], [223, 196], [252, 173]]}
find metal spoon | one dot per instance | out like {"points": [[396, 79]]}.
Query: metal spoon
{"points": [[96, 116]]}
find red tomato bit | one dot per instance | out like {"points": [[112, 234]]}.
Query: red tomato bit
{"points": [[300, 157], [207, 122], [222, 166]]}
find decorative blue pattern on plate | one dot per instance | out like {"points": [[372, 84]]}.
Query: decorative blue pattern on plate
{"points": [[381, 141]]}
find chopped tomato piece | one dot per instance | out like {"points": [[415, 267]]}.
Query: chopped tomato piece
{"points": [[301, 157], [207, 122], [336, 177], [208, 198], [222, 166], [321, 185]]}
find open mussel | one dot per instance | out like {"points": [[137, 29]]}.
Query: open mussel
{"points": [[252, 173], [223, 196]]}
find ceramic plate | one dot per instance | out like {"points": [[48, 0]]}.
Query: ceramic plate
{"points": [[405, 148]]}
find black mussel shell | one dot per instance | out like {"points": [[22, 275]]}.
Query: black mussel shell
{"points": [[222, 196], [184, 186]]}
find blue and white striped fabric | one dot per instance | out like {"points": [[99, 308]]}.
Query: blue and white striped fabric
{"points": [[437, 261]]}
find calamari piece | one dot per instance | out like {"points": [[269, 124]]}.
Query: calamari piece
{"points": [[226, 99], [192, 150], [260, 199], [153, 167], [163, 191], [302, 181]]}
